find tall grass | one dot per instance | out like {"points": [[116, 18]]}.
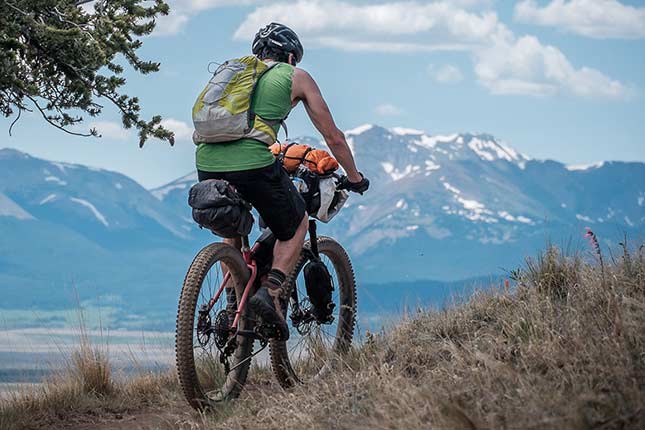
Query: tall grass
{"points": [[561, 348], [85, 390]]}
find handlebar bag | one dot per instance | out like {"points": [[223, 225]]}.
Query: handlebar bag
{"points": [[331, 199], [218, 207], [308, 185], [322, 197]]}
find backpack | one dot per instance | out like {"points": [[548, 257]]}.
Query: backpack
{"points": [[223, 110]]}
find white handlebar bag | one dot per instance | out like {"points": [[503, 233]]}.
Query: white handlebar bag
{"points": [[331, 200], [322, 198]]}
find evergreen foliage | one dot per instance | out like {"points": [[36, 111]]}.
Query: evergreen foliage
{"points": [[63, 60]]}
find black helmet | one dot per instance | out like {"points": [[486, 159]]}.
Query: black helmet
{"points": [[279, 37]]}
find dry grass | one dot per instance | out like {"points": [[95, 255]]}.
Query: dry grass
{"points": [[563, 348], [85, 391]]}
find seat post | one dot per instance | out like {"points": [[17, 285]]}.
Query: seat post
{"points": [[245, 244]]}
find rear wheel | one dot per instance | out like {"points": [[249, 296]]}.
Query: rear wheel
{"points": [[313, 348], [202, 333]]}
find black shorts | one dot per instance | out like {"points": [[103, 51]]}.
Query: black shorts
{"points": [[270, 191]]}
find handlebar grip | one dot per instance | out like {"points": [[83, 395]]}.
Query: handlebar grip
{"points": [[343, 182]]}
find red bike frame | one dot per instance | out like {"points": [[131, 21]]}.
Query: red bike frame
{"points": [[247, 254]]}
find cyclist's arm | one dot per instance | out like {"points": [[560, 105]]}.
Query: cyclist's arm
{"points": [[305, 88]]}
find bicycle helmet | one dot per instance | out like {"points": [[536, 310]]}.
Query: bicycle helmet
{"points": [[280, 37]]}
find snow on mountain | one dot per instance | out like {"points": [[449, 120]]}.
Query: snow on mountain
{"points": [[402, 131], [575, 167], [182, 184], [360, 129], [448, 195], [440, 206], [464, 195], [99, 216], [90, 200], [9, 208]]}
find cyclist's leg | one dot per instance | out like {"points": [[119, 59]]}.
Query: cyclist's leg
{"points": [[271, 192], [286, 253]]}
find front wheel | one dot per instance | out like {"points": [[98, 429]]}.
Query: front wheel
{"points": [[314, 347], [203, 328]]}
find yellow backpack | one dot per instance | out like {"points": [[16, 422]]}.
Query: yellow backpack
{"points": [[223, 112]]}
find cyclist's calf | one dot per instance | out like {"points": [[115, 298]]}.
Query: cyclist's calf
{"points": [[285, 253]]}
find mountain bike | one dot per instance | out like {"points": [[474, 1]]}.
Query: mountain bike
{"points": [[217, 332]]}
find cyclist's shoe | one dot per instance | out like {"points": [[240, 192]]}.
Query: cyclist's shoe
{"points": [[268, 305]]}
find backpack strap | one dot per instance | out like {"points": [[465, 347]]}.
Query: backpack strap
{"points": [[251, 112], [251, 115]]}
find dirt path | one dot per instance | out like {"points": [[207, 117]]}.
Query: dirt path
{"points": [[144, 420]]}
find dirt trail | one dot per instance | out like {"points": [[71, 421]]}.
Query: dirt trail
{"points": [[162, 419]]}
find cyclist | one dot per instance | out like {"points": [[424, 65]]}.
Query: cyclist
{"points": [[251, 167]]}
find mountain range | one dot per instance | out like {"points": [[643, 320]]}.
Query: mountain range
{"points": [[440, 208], [452, 207]]}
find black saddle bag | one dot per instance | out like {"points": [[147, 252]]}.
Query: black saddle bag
{"points": [[218, 207]]}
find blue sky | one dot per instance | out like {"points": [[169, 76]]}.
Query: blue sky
{"points": [[560, 79]]}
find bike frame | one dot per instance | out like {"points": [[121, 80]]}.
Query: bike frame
{"points": [[247, 254]]}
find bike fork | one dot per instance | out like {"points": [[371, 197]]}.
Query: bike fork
{"points": [[313, 238]]}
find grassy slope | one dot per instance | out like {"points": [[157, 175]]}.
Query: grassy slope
{"points": [[565, 348]]}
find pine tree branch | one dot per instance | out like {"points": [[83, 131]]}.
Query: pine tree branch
{"points": [[47, 118]]}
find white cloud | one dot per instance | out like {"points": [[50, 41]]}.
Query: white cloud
{"points": [[592, 18], [445, 74], [171, 24], [182, 130], [111, 130], [182, 10], [504, 63], [316, 20], [343, 44], [525, 66], [388, 109]]}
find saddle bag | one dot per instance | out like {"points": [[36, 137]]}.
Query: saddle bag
{"points": [[218, 207], [319, 289]]}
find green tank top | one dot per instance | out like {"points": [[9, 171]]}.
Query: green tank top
{"points": [[272, 101]]}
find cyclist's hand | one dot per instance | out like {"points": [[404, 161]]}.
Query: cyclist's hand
{"points": [[357, 187]]}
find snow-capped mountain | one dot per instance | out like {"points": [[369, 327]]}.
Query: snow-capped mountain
{"points": [[68, 229], [467, 204], [440, 207], [97, 202]]}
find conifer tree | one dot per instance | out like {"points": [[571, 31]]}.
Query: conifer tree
{"points": [[64, 59]]}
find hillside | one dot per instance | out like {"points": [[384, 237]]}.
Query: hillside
{"points": [[562, 347]]}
